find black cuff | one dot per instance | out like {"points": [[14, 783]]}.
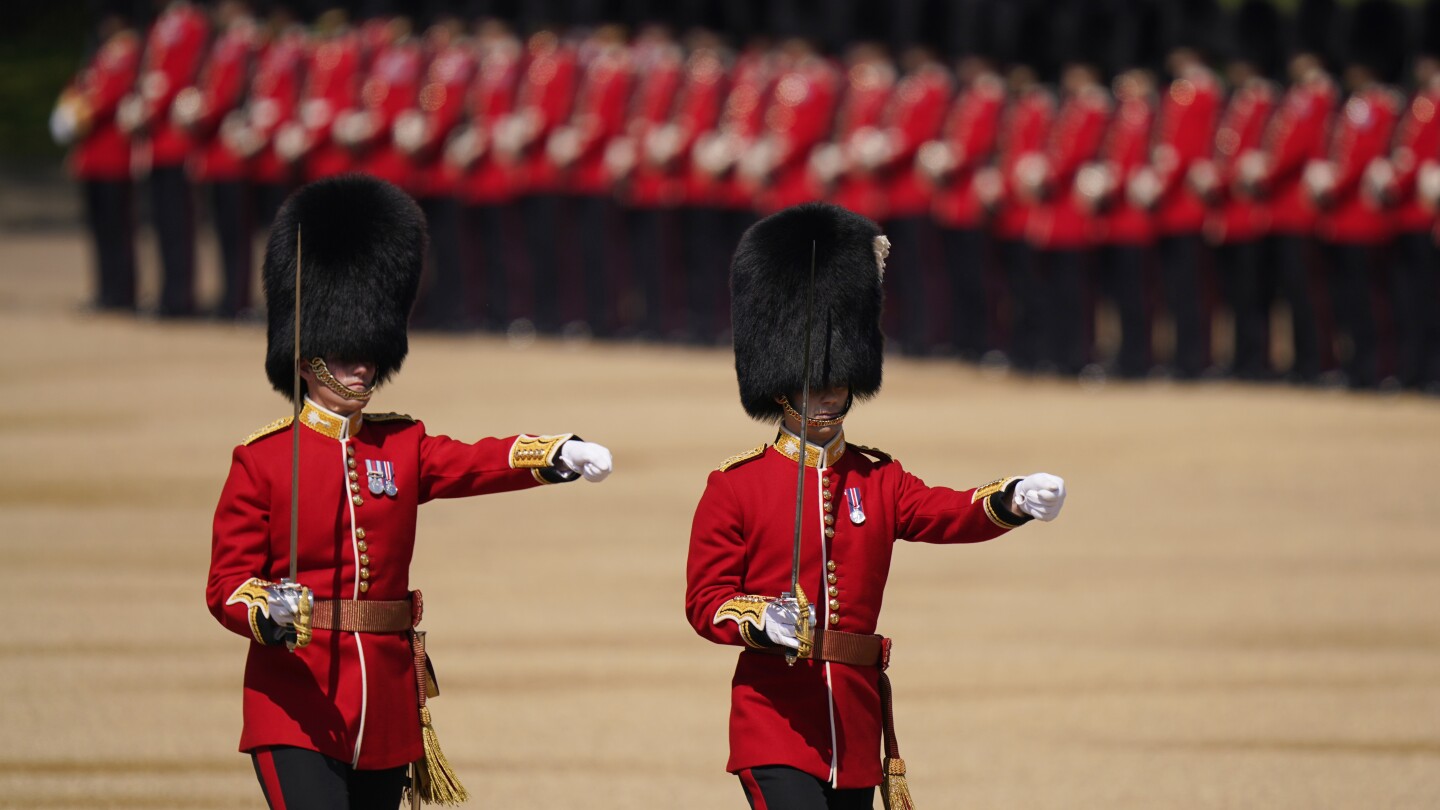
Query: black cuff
{"points": [[558, 474], [274, 634], [1000, 505]]}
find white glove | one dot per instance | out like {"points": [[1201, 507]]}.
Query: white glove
{"points": [[284, 602], [586, 458], [780, 618], [1040, 496]]}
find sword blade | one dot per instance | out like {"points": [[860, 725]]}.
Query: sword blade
{"points": [[295, 430]]}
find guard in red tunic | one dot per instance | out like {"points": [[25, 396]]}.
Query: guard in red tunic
{"points": [[1121, 230], [336, 681], [332, 85], [273, 99], [1354, 226], [948, 165], [798, 112], [85, 116], [1392, 182], [215, 164], [173, 54], [810, 699]]}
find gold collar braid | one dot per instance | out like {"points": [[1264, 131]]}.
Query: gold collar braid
{"points": [[322, 373], [788, 445]]}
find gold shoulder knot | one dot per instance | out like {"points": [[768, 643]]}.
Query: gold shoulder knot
{"points": [[389, 417], [278, 424], [879, 455], [741, 458]]}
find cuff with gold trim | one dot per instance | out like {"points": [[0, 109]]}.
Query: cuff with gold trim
{"points": [[748, 611], [540, 455], [997, 496], [253, 594]]}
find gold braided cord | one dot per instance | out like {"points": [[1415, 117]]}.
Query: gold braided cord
{"points": [[322, 373]]}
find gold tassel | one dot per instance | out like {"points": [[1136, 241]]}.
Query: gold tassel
{"points": [[894, 790], [435, 782]]}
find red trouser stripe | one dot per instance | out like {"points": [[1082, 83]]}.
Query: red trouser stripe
{"points": [[752, 789], [270, 779]]}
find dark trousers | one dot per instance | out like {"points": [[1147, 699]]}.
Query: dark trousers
{"points": [[1062, 280], [1180, 274], [1237, 268], [598, 261], [268, 199], [486, 262], [1291, 254], [704, 262], [1027, 304], [965, 268], [543, 232], [1416, 300], [110, 215], [1120, 275], [1355, 312], [442, 292], [298, 779], [780, 788], [173, 212], [911, 270], [231, 212]]}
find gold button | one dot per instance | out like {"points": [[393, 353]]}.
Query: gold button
{"points": [[357, 500], [365, 586], [365, 560], [354, 476], [354, 487], [829, 507], [834, 591], [350, 462], [362, 546], [349, 450], [831, 578], [834, 603], [829, 532], [360, 534], [825, 482], [829, 519], [830, 566], [827, 494], [833, 618], [365, 574]]}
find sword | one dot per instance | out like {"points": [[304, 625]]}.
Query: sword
{"points": [[803, 632], [295, 433]]}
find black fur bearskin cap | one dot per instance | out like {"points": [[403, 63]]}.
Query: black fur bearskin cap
{"points": [[363, 245], [768, 279]]}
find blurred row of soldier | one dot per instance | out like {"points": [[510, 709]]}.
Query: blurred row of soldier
{"points": [[597, 179]]}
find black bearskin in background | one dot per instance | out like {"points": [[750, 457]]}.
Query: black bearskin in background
{"points": [[362, 251], [768, 280]]}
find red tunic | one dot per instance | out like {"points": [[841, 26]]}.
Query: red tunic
{"points": [[642, 180], [1362, 134], [222, 89], [274, 99], [440, 105], [332, 84], [1238, 218], [599, 115], [546, 96], [914, 115], [797, 115], [1124, 153], [867, 89], [1295, 136], [1022, 134], [1417, 139], [172, 60], [970, 130], [103, 151], [742, 543], [392, 87], [487, 180], [1186, 129], [350, 696], [1060, 221], [697, 112], [711, 178]]}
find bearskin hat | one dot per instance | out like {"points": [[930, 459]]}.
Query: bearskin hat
{"points": [[769, 278], [1376, 39], [362, 244]]}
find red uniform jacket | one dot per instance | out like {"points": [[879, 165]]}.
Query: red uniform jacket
{"points": [[1023, 131], [546, 96], [274, 99], [441, 106], [867, 88], [1295, 136], [332, 84], [797, 115], [487, 180], [1117, 220], [1362, 133], [642, 180], [970, 130], [599, 115], [711, 178], [1186, 129], [173, 52], [1060, 221], [1238, 218], [222, 89], [350, 696], [103, 151], [391, 88], [914, 115], [1417, 139], [742, 542], [697, 112]]}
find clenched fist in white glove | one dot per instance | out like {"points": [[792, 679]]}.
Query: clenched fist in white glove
{"points": [[586, 458], [1040, 496], [780, 618]]}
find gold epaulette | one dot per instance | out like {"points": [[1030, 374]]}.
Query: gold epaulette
{"points": [[278, 424], [389, 417], [740, 458], [879, 455]]}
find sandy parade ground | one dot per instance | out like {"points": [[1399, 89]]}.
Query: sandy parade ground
{"points": [[1240, 607]]}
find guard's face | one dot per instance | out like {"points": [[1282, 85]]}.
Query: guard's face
{"points": [[825, 404], [356, 375]]}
